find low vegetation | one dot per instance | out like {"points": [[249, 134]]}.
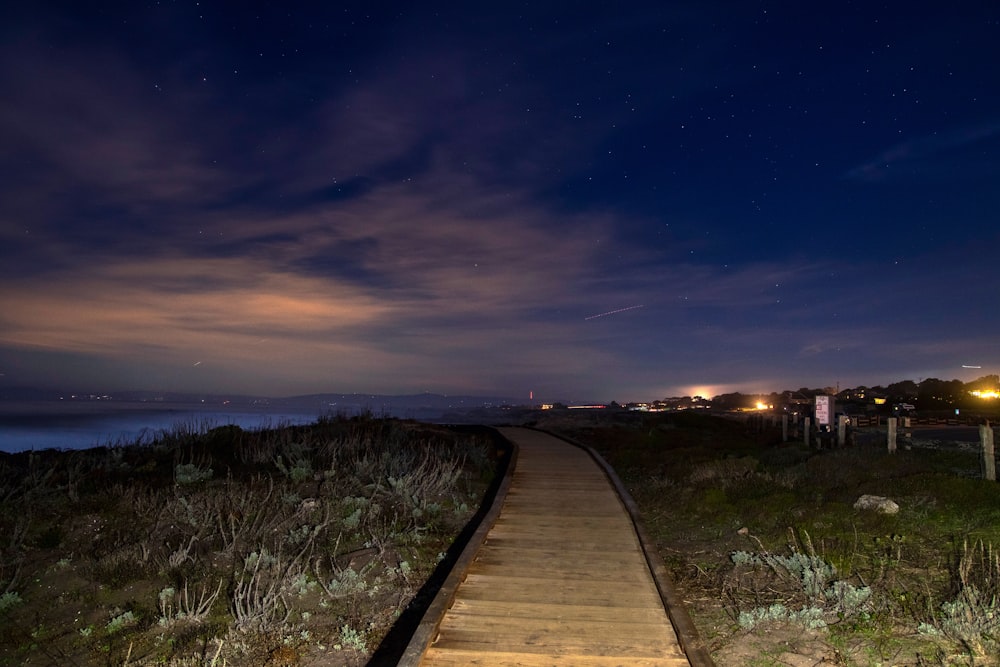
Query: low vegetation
{"points": [[305, 545], [764, 542], [285, 546]]}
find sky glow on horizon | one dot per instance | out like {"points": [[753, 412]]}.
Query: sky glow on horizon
{"points": [[595, 204]]}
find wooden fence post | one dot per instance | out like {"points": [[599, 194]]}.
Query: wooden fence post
{"points": [[784, 428], [891, 423], [841, 430], [807, 423], [989, 462]]}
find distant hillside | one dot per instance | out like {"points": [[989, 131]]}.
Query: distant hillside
{"points": [[318, 403], [379, 403], [29, 394]]}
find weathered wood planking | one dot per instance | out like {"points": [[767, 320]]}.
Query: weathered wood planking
{"points": [[560, 579]]}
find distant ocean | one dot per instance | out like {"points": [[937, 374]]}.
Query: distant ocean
{"points": [[81, 424]]}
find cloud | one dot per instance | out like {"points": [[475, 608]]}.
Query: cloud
{"points": [[928, 154], [92, 121], [391, 236]]}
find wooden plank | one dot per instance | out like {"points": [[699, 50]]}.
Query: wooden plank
{"points": [[582, 612], [582, 481], [549, 556], [583, 505], [562, 508], [563, 523], [537, 640], [558, 574], [582, 499], [560, 579], [587, 496], [578, 543], [516, 590], [647, 638], [457, 657], [598, 539]]}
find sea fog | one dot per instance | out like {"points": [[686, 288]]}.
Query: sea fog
{"points": [[27, 425]]}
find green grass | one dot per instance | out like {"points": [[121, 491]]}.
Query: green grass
{"points": [[708, 488]]}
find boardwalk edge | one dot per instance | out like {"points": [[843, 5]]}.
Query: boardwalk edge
{"points": [[426, 632]]}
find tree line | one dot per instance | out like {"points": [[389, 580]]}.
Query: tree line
{"points": [[930, 394]]}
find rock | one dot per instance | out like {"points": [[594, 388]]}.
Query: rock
{"points": [[877, 503], [308, 505]]}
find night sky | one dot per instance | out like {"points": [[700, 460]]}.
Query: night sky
{"points": [[621, 201]]}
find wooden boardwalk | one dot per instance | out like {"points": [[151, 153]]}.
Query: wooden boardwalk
{"points": [[557, 577]]}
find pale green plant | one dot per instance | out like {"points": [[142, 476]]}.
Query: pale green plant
{"points": [[262, 559], [352, 520], [298, 535], [120, 622], [8, 601], [348, 582], [302, 585], [351, 639], [809, 617], [972, 618], [423, 478], [182, 605], [849, 599], [816, 578], [190, 473], [259, 597], [812, 572], [299, 468], [182, 553]]}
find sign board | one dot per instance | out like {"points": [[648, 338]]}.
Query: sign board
{"points": [[824, 410]]}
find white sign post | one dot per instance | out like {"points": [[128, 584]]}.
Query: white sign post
{"points": [[824, 410]]}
